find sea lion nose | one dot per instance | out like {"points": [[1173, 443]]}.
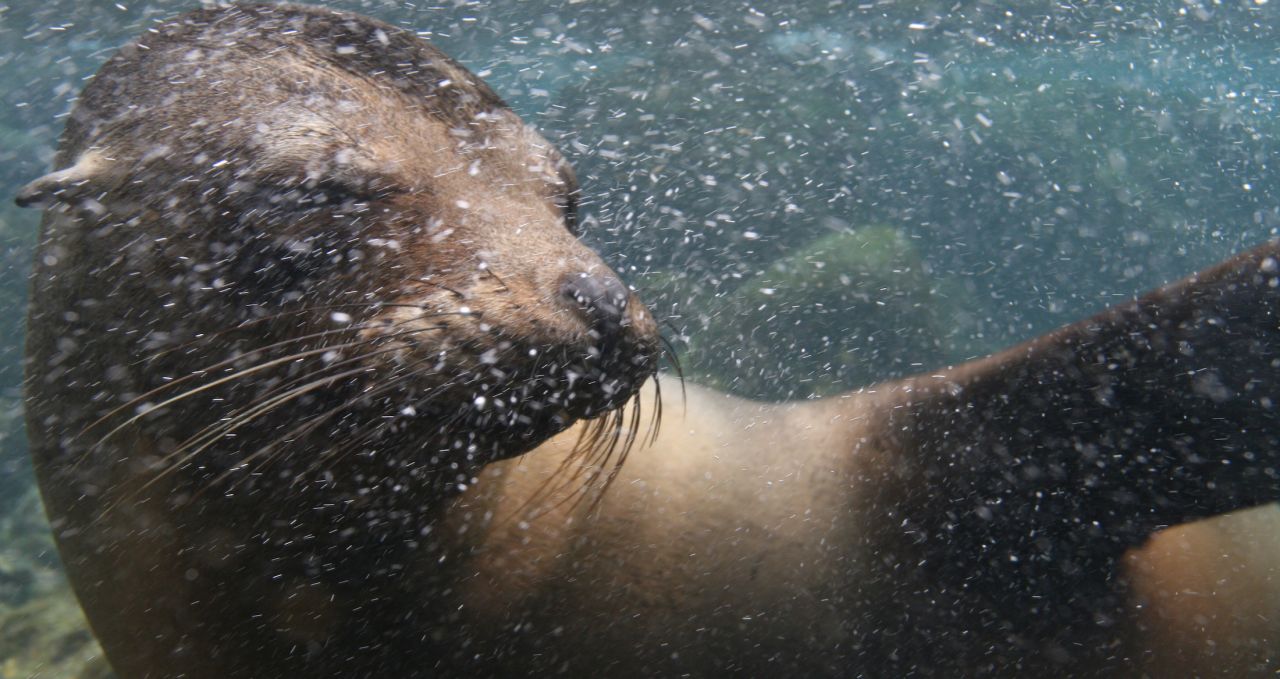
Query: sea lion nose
{"points": [[602, 297]]}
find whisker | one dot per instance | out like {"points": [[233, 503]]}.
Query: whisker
{"points": [[372, 431], [353, 359], [194, 374], [239, 374], [272, 399], [188, 449], [196, 390], [618, 445], [442, 286], [633, 429], [310, 425], [239, 357], [548, 487], [212, 433], [602, 444], [276, 316], [498, 278], [600, 461], [669, 352], [597, 443]]}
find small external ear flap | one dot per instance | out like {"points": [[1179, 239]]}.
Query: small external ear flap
{"points": [[60, 184]]}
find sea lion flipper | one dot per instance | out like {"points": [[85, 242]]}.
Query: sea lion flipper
{"points": [[1019, 481], [1151, 413], [87, 169]]}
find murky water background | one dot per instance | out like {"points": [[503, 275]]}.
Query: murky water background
{"points": [[814, 195]]}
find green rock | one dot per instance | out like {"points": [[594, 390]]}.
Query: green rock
{"points": [[48, 637], [43, 633], [848, 309]]}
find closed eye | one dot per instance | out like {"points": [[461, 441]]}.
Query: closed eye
{"points": [[566, 195], [568, 204], [314, 194]]}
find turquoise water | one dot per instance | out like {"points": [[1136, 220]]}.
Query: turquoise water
{"points": [[814, 195]]}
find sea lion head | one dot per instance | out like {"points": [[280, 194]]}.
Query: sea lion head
{"points": [[276, 224]]}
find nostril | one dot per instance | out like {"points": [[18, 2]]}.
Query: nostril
{"points": [[602, 297]]}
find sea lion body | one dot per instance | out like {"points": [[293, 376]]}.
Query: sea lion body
{"points": [[739, 496], [288, 343], [991, 519]]}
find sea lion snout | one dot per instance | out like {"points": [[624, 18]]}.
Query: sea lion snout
{"points": [[619, 336], [601, 297]]}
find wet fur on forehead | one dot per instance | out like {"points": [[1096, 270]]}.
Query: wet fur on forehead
{"points": [[300, 86], [305, 43], [355, 44]]}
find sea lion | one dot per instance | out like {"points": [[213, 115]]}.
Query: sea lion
{"points": [[289, 341]]}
